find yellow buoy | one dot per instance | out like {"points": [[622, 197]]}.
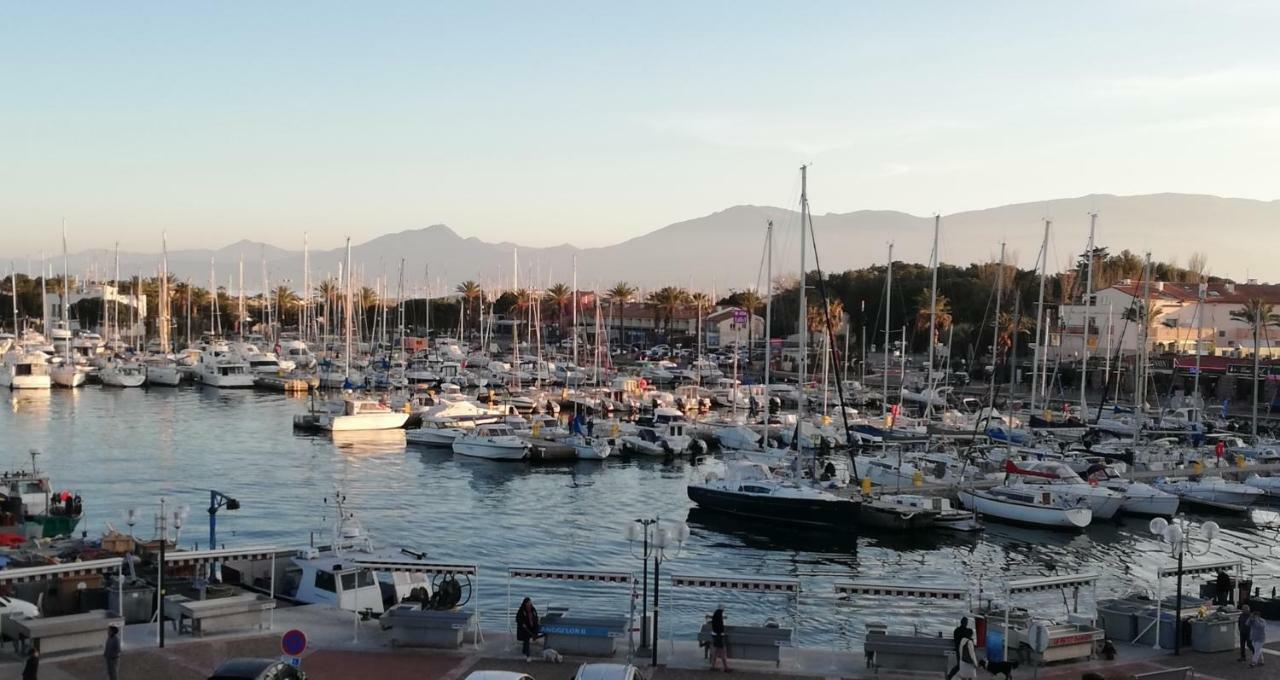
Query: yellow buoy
{"points": [[537, 429], [1197, 467], [1239, 461], [917, 479], [866, 486]]}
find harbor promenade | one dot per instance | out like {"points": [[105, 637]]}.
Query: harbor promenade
{"points": [[340, 649]]}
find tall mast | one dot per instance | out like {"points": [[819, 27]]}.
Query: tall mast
{"points": [[66, 295], [803, 313], [933, 311], [1040, 317], [888, 284], [1088, 295], [427, 273], [163, 320], [214, 329], [304, 320], [995, 335], [240, 311], [115, 318], [575, 310], [346, 359], [44, 293], [1201, 289], [768, 310]]}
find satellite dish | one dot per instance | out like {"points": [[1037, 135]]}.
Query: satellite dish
{"points": [[1158, 526]]}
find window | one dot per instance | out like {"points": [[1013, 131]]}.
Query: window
{"points": [[349, 581], [325, 582], [364, 578], [1222, 334]]}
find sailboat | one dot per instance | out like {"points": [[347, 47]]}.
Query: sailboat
{"points": [[118, 370], [64, 371], [161, 367]]}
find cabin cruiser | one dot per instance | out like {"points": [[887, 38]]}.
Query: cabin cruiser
{"points": [[590, 448], [362, 415], [297, 352], [218, 366], [1028, 506], [1036, 475], [1211, 490], [494, 442], [436, 432], [119, 372], [1139, 498], [260, 362], [25, 370], [663, 433], [752, 490]]}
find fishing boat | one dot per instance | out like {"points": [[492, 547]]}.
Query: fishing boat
{"points": [[362, 415], [32, 509], [493, 441], [25, 370], [1037, 508], [752, 490]]}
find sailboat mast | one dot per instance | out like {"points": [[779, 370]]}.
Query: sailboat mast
{"points": [[66, 295], [1088, 295], [346, 358], [240, 303], [304, 321], [888, 286], [995, 335], [1041, 331], [164, 294], [44, 293], [933, 310], [804, 308], [768, 310], [575, 310]]}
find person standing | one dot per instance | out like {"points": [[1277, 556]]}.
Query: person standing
{"points": [[961, 632], [1242, 627], [968, 669], [111, 652], [31, 669], [1257, 636], [527, 625], [719, 643]]}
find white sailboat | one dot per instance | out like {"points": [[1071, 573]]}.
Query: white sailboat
{"points": [[64, 372]]}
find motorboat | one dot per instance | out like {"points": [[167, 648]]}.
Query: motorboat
{"points": [[948, 516], [118, 372], [66, 373], [752, 490], [739, 438], [1035, 475], [493, 441], [218, 366], [162, 370], [44, 513], [590, 448], [1211, 491], [1268, 485], [1140, 498], [436, 432], [297, 352], [261, 362], [360, 415], [662, 434], [1027, 506], [25, 370]]}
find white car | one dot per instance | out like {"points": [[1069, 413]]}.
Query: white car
{"points": [[607, 671], [498, 675]]}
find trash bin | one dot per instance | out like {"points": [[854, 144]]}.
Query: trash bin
{"points": [[139, 601], [1146, 618], [1119, 620], [995, 644], [1215, 634]]}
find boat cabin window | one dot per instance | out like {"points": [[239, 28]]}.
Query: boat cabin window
{"points": [[752, 488], [325, 581], [357, 579]]}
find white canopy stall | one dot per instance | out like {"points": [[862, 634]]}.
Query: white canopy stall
{"points": [[1041, 641], [1172, 571], [71, 631]]}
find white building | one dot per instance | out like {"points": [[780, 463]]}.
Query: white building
{"points": [[730, 325]]}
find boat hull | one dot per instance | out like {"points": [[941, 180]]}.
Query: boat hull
{"points": [[365, 422], [1027, 515], [489, 451], [67, 376], [842, 513]]}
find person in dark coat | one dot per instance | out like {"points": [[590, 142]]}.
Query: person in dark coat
{"points": [[527, 625], [1223, 587], [31, 669], [1242, 626], [111, 652], [961, 632], [719, 643]]}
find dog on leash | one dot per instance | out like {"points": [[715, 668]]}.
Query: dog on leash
{"points": [[552, 656], [996, 668]]}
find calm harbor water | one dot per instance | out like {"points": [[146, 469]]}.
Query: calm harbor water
{"points": [[124, 449]]}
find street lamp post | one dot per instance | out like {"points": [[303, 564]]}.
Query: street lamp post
{"points": [[1179, 535], [668, 541], [162, 523]]}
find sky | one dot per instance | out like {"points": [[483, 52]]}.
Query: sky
{"points": [[590, 123]]}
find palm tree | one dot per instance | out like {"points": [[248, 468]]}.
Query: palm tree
{"points": [[367, 297], [1257, 313], [471, 292], [559, 296], [1025, 324], [751, 300], [941, 313], [621, 293], [666, 302], [283, 298]]}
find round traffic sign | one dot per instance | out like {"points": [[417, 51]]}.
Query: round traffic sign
{"points": [[293, 642]]}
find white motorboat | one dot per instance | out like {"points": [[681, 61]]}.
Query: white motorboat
{"points": [[1211, 490], [437, 432], [23, 370], [162, 370], [122, 373], [1031, 507], [590, 448], [1268, 485], [664, 433], [362, 415], [67, 374], [739, 438], [296, 351], [218, 366], [949, 517], [494, 442], [1139, 498], [1035, 475]]}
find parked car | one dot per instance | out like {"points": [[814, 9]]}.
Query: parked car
{"points": [[498, 675], [607, 671], [256, 669]]}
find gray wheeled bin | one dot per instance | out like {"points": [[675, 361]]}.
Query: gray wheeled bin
{"points": [[1119, 620], [1214, 634], [139, 600]]}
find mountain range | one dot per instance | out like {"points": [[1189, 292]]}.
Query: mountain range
{"points": [[724, 250]]}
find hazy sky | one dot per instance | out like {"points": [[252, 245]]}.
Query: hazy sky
{"points": [[548, 122]]}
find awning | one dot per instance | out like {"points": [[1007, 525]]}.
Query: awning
{"points": [[571, 575], [189, 557], [777, 585], [414, 566], [1038, 585], [1199, 568], [889, 590], [67, 569]]}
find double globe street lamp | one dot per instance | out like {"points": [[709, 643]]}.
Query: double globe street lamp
{"points": [[660, 540], [1180, 535]]}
